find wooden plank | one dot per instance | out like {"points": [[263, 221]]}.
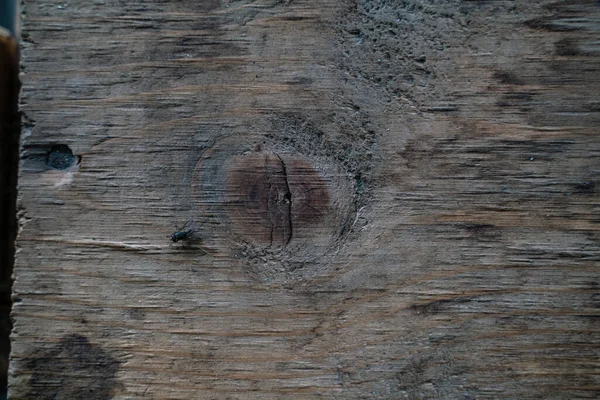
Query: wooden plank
{"points": [[394, 199]]}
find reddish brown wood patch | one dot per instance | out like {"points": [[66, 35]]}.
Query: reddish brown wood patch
{"points": [[270, 199]]}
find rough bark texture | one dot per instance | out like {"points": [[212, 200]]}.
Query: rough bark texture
{"points": [[394, 199]]}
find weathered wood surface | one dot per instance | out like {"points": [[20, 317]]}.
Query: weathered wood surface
{"points": [[395, 198]]}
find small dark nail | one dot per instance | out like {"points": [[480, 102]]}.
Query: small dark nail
{"points": [[60, 156]]}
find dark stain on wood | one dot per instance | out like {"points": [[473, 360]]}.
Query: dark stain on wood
{"points": [[508, 78], [586, 187], [552, 23], [517, 99], [86, 371], [483, 232], [439, 306], [567, 47]]}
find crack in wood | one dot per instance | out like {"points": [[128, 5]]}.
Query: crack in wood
{"points": [[269, 174], [288, 197], [272, 198]]}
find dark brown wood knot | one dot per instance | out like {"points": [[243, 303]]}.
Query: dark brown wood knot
{"points": [[271, 197]]}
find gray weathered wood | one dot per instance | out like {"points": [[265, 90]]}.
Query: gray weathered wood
{"points": [[395, 199]]}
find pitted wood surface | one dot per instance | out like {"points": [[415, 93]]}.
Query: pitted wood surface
{"points": [[422, 177]]}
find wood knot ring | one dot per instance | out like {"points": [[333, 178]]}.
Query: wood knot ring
{"points": [[270, 198]]}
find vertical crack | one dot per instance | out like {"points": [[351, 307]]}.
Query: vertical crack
{"points": [[288, 196], [269, 199]]}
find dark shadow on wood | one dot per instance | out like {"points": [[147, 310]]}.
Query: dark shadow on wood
{"points": [[9, 157]]}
